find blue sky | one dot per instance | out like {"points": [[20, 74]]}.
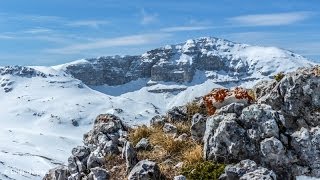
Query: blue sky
{"points": [[43, 32]]}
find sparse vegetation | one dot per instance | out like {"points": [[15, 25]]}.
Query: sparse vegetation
{"points": [[138, 133], [205, 170], [168, 151], [279, 76], [193, 108]]}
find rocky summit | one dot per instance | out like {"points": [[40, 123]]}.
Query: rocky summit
{"points": [[179, 63], [275, 136]]}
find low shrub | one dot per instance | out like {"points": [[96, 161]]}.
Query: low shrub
{"points": [[279, 76], [205, 170]]}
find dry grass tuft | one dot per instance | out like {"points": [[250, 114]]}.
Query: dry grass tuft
{"points": [[135, 135], [193, 155], [183, 127]]}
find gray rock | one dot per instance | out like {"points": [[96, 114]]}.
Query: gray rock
{"points": [[306, 144], [157, 121], [81, 152], [169, 128], [110, 148], [106, 127], [75, 166], [198, 127], [224, 139], [273, 152], [98, 174], [145, 170], [261, 121], [130, 155], [231, 108], [177, 114], [95, 160], [58, 173], [263, 87], [297, 96], [258, 174], [247, 170], [143, 144], [180, 177]]}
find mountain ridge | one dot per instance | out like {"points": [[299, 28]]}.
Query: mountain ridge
{"points": [[46, 110]]}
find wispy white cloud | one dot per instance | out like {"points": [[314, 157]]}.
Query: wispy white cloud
{"points": [[88, 23], [185, 28], [274, 19], [111, 42], [148, 18], [38, 30], [57, 20], [2, 36]]}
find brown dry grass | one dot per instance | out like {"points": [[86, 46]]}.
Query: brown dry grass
{"points": [[167, 151], [116, 167]]}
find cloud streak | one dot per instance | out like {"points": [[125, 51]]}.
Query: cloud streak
{"points": [[274, 19], [88, 23], [131, 40], [185, 28]]}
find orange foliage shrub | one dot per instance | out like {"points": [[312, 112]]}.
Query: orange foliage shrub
{"points": [[219, 95]]}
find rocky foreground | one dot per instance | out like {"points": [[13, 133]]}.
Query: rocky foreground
{"points": [[271, 132]]}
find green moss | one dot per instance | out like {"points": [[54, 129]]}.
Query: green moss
{"points": [[279, 76], [203, 171]]}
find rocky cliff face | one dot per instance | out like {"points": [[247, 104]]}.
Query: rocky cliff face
{"points": [[179, 63]]}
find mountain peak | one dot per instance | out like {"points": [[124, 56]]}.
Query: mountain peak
{"points": [[180, 62]]}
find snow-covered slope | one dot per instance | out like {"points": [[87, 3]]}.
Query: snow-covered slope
{"points": [[43, 116], [44, 111]]}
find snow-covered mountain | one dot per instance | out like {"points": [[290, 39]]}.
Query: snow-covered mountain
{"points": [[44, 111]]}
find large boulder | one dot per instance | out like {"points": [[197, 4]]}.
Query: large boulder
{"points": [[224, 139], [297, 96], [145, 170], [256, 134], [106, 127]]}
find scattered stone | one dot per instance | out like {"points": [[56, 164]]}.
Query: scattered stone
{"points": [[145, 170], [143, 144], [180, 177], [169, 128], [157, 121]]}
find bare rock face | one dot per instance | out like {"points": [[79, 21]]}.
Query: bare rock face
{"points": [[176, 63], [280, 133], [145, 170], [88, 161], [297, 96]]}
